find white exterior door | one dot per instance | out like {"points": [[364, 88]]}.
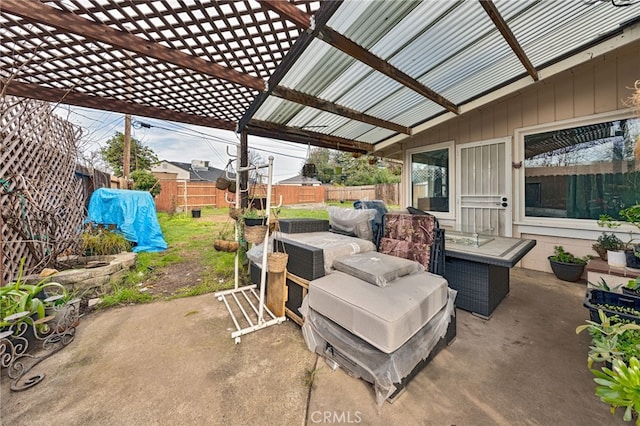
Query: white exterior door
{"points": [[483, 186]]}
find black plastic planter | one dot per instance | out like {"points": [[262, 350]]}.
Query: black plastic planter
{"points": [[567, 271], [632, 260]]}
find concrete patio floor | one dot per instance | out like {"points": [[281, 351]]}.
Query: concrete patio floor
{"points": [[171, 363]]}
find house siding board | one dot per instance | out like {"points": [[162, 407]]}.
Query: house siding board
{"points": [[530, 109], [628, 71], [546, 104], [500, 120], [564, 98], [583, 103], [488, 128], [605, 87]]}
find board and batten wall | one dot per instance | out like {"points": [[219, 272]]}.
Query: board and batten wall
{"points": [[597, 86]]}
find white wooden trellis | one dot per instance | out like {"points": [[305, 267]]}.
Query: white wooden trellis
{"points": [[246, 300]]}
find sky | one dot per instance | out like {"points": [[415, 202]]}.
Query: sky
{"points": [[173, 141]]}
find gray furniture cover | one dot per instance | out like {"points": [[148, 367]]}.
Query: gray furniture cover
{"points": [[385, 317], [386, 371], [376, 268]]}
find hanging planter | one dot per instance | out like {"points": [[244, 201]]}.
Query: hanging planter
{"points": [[232, 186], [222, 183], [226, 246], [309, 170], [277, 262], [234, 213], [255, 234]]}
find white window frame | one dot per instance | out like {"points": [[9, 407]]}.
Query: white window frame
{"points": [[450, 146], [560, 227]]}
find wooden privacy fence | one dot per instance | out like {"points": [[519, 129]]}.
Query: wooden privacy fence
{"points": [[388, 192], [41, 198], [181, 195]]}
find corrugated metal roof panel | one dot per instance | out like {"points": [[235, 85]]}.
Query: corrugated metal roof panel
{"points": [[368, 92], [414, 24], [270, 106], [318, 121], [489, 77], [397, 103], [353, 129], [376, 135], [316, 68], [452, 34], [279, 110], [418, 114], [567, 26], [373, 22]]}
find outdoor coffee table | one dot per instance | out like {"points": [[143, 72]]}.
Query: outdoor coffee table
{"points": [[478, 268]]}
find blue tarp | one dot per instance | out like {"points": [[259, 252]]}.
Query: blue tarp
{"points": [[134, 214]]}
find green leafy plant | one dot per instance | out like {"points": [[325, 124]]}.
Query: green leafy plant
{"points": [[17, 297], [634, 285], [620, 387], [631, 215], [602, 285], [253, 214], [610, 242], [562, 256], [144, 180], [606, 338]]}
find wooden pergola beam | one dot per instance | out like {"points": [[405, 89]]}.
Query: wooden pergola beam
{"points": [[289, 11], [509, 37], [279, 131], [35, 11], [342, 43], [321, 104], [356, 51], [70, 97]]}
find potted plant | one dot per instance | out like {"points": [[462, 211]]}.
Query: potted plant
{"points": [[632, 288], [607, 242], [630, 252], [615, 253], [254, 226], [616, 345], [632, 215], [566, 266], [620, 387]]}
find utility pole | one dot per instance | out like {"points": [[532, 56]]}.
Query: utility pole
{"points": [[126, 150]]}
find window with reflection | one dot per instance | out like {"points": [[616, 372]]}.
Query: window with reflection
{"points": [[583, 172], [430, 180]]}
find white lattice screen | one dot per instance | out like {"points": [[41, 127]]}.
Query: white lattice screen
{"points": [[42, 201]]}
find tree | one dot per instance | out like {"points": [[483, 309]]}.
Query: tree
{"points": [[144, 180], [343, 168], [142, 157]]}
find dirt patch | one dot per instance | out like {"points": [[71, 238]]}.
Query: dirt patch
{"points": [[172, 278]]}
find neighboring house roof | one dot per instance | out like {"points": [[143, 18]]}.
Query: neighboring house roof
{"points": [[300, 180], [208, 174]]}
